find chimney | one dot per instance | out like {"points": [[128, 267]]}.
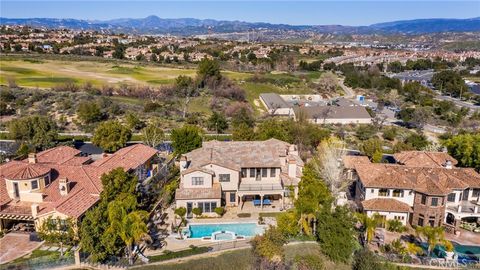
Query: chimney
{"points": [[183, 163], [35, 209], [64, 186], [292, 167], [448, 164], [32, 158], [292, 150]]}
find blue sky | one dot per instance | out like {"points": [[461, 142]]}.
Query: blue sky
{"points": [[289, 12]]}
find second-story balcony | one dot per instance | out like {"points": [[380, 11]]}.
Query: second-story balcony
{"points": [[260, 187]]}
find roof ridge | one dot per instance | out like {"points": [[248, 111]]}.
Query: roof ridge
{"points": [[89, 178]]}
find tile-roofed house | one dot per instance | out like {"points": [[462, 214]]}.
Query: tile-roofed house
{"points": [[426, 159], [244, 170], [437, 192], [59, 182]]}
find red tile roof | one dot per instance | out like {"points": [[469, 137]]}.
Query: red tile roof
{"points": [[22, 170], [424, 159], [433, 181], [387, 205], [84, 179]]}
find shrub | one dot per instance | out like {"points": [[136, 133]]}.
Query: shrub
{"points": [[394, 225], [366, 260], [244, 215], [181, 211], [220, 211], [197, 211]]}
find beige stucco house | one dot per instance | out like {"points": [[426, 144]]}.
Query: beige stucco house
{"points": [[236, 174]]}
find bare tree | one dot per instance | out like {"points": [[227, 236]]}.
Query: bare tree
{"points": [[329, 164], [152, 134]]}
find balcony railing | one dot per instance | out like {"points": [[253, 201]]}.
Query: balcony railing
{"points": [[260, 187]]}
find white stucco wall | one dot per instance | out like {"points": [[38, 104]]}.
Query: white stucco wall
{"points": [[390, 215], [408, 195], [187, 180], [264, 180]]}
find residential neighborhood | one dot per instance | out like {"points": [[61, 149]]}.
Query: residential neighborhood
{"points": [[258, 135]]}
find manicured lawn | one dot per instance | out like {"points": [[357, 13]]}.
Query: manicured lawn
{"points": [[238, 260], [178, 254], [271, 214], [37, 253], [243, 259]]}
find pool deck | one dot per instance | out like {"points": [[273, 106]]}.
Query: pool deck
{"points": [[466, 238]]}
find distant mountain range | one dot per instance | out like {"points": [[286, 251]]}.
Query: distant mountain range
{"points": [[189, 26]]}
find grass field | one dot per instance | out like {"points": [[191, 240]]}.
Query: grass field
{"points": [[243, 260], [46, 73]]}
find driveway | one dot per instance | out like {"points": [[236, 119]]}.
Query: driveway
{"points": [[16, 245]]}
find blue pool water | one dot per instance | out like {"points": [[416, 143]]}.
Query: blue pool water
{"points": [[241, 229], [465, 253]]}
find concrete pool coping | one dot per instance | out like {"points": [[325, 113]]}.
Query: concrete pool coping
{"points": [[222, 223]]}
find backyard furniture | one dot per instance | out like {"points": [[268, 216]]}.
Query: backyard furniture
{"points": [[267, 202], [257, 202]]}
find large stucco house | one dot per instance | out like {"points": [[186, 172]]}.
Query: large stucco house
{"points": [[421, 188], [62, 182], [239, 174]]}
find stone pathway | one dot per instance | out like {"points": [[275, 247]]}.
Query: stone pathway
{"points": [[16, 245]]}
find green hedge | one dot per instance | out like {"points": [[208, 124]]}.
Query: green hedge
{"points": [[168, 255]]}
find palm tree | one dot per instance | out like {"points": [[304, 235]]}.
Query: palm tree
{"points": [[130, 225], [413, 249], [369, 224], [434, 236]]}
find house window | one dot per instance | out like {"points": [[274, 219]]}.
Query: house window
{"points": [[383, 192], [224, 177], [424, 199], [420, 221], [62, 225], [34, 184], [47, 180], [207, 207], [410, 192], [197, 181], [398, 193], [434, 202], [273, 172], [252, 172], [264, 172], [451, 197], [244, 172], [372, 190], [431, 221], [476, 192], [232, 197]]}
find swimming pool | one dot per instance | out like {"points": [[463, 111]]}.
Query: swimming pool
{"points": [[240, 229], [465, 253]]}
